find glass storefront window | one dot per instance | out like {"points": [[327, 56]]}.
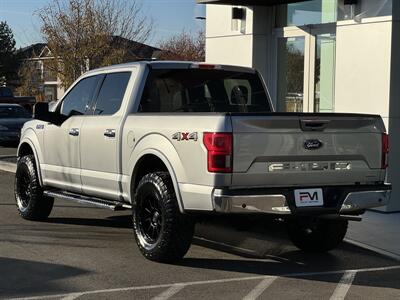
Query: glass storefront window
{"points": [[291, 74], [373, 8], [329, 11], [308, 12], [324, 81], [50, 93]]}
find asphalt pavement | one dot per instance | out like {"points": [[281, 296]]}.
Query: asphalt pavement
{"points": [[7, 150], [88, 253]]}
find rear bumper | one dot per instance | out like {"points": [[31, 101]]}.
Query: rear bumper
{"points": [[339, 200]]}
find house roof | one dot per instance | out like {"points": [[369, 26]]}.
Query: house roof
{"points": [[31, 51], [136, 49]]}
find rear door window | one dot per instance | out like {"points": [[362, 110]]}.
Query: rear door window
{"points": [[193, 90], [112, 93]]}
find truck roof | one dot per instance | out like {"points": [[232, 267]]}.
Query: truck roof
{"points": [[156, 64]]}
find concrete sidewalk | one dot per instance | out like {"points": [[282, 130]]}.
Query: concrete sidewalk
{"points": [[379, 231]]}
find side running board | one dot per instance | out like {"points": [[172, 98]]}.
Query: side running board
{"points": [[102, 203]]}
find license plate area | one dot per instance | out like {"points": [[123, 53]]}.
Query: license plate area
{"points": [[309, 197]]}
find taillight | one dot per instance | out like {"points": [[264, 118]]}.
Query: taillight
{"points": [[385, 150], [203, 66], [219, 151]]}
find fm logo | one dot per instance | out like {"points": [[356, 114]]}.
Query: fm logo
{"points": [[185, 136], [309, 197], [306, 196]]}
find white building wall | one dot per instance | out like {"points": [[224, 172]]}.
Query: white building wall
{"points": [[363, 54], [366, 83], [224, 45], [60, 91], [251, 48]]}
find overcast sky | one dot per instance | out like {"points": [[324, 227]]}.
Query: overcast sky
{"points": [[170, 17]]}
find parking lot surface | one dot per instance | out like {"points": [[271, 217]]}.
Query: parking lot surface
{"points": [[7, 150], [89, 253]]}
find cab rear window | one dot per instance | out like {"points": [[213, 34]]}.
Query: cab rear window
{"points": [[193, 90]]}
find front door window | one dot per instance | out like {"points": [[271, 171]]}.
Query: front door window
{"points": [[78, 99]]}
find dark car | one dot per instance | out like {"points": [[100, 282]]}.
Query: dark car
{"points": [[7, 96], [12, 118]]}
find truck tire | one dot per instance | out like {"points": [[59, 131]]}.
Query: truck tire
{"points": [[317, 235], [162, 233], [31, 203]]}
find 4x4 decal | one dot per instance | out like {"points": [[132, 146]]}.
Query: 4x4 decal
{"points": [[185, 136]]}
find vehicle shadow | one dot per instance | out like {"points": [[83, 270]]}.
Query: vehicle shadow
{"points": [[262, 248], [31, 277], [272, 253], [257, 238], [118, 221]]}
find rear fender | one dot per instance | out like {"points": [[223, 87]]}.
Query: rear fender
{"points": [[166, 153]]}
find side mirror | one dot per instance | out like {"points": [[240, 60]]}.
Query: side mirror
{"points": [[41, 112]]}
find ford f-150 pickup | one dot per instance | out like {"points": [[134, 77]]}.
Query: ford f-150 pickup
{"points": [[176, 140]]}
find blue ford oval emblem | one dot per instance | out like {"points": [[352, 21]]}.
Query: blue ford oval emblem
{"points": [[313, 144]]}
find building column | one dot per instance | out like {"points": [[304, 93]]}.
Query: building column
{"points": [[394, 112]]}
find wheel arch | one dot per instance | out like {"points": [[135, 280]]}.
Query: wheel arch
{"points": [[29, 144], [154, 160]]}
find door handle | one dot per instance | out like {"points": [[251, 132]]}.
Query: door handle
{"points": [[109, 133], [74, 131], [314, 125]]}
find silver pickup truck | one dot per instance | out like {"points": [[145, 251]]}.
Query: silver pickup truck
{"points": [[173, 141]]}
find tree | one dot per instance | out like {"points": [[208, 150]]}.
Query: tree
{"points": [[86, 34], [31, 80], [8, 61], [184, 46], [295, 72]]}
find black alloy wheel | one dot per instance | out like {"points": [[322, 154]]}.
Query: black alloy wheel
{"points": [[150, 218], [31, 203], [161, 231], [23, 189]]}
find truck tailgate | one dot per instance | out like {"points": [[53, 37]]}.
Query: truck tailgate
{"points": [[289, 149]]}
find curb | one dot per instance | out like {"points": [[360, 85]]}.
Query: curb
{"points": [[380, 251], [8, 166], [7, 156]]}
